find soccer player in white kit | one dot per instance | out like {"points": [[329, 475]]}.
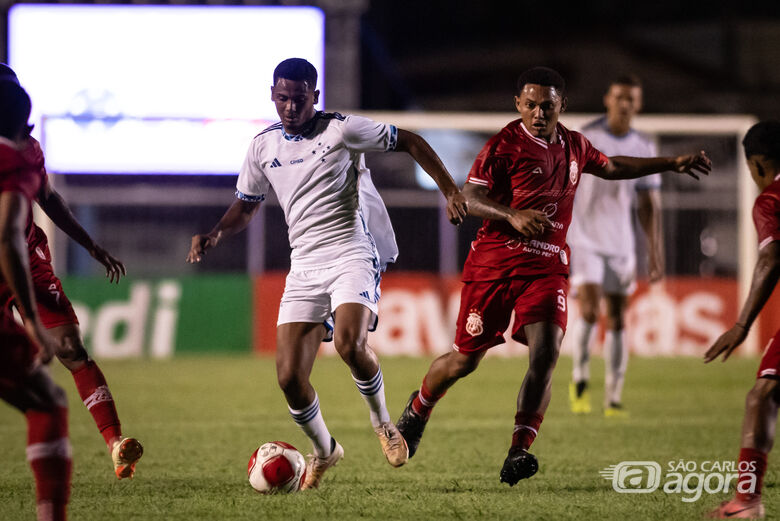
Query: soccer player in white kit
{"points": [[341, 240], [601, 238]]}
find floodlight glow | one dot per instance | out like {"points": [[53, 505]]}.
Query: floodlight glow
{"points": [[103, 78]]}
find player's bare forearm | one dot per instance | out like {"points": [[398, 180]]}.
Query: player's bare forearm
{"points": [[55, 207], [528, 223], [625, 167], [426, 157], [650, 219], [483, 207], [14, 260], [235, 219], [765, 276]]}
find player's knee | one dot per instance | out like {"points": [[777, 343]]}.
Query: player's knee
{"points": [[543, 359], [590, 314], [463, 365], [764, 391], [290, 381], [350, 344], [615, 323], [59, 398], [70, 350]]}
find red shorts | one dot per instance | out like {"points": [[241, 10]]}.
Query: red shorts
{"points": [[17, 353], [770, 360], [54, 307], [486, 308]]}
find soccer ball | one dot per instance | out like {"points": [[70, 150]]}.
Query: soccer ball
{"points": [[276, 467]]}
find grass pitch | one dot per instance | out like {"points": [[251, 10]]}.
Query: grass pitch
{"points": [[200, 419]]}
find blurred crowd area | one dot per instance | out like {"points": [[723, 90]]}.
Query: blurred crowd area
{"points": [[449, 56]]}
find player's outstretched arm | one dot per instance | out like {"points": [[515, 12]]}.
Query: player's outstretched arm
{"points": [[236, 218], [421, 151], [529, 223], [649, 213], [625, 167], [765, 276], [15, 268], [59, 212]]}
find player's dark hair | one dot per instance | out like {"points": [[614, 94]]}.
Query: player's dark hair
{"points": [[14, 109], [296, 69], [543, 76], [763, 139], [7, 74], [632, 80]]}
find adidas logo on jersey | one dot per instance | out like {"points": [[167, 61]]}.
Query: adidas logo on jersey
{"points": [[537, 170], [275, 163]]}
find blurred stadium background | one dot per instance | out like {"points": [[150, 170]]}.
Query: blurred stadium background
{"points": [[144, 135], [145, 111]]}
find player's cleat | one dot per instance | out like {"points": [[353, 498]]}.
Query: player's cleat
{"points": [[393, 444], [616, 410], [411, 425], [579, 404], [519, 464], [316, 466], [738, 510], [126, 453]]}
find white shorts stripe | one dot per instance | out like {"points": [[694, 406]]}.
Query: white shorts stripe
{"points": [[49, 449]]}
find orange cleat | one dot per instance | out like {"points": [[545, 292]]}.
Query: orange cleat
{"points": [[734, 509], [126, 453]]}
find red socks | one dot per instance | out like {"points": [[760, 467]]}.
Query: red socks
{"points": [[526, 428], [97, 398], [49, 455], [425, 400], [752, 463]]}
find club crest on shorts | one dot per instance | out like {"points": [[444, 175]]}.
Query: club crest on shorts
{"points": [[574, 170], [474, 323]]}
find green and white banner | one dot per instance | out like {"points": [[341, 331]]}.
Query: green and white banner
{"points": [[162, 317]]}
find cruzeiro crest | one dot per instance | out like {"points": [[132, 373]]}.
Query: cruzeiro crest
{"points": [[474, 323], [574, 170]]}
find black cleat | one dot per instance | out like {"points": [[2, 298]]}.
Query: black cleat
{"points": [[519, 464], [411, 425]]}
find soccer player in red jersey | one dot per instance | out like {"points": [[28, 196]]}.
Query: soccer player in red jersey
{"points": [[59, 318], [762, 151], [523, 184], [24, 383]]}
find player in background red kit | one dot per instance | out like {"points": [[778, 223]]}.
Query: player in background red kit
{"points": [[57, 313], [523, 184], [762, 151], [24, 381]]}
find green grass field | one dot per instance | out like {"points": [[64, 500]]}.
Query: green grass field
{"points": [[201, 418]]}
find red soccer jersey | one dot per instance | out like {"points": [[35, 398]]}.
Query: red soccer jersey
{"points": [[22, 171], [525, 172], [766, 214]]}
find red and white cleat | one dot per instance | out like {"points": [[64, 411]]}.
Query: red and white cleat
{"points": [[734, 509], [126, 453]]}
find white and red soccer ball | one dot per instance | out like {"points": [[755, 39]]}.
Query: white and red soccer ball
{"points": [[276, 467]]}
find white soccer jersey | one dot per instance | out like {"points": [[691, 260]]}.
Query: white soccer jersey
{"points": [[332, 209], [602, 216]]}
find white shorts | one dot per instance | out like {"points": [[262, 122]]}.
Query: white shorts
{"points": [[616, 274], [313, 295]]}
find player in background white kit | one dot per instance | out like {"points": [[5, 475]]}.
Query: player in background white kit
{"points": [[602, 244], [341, 240]]}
